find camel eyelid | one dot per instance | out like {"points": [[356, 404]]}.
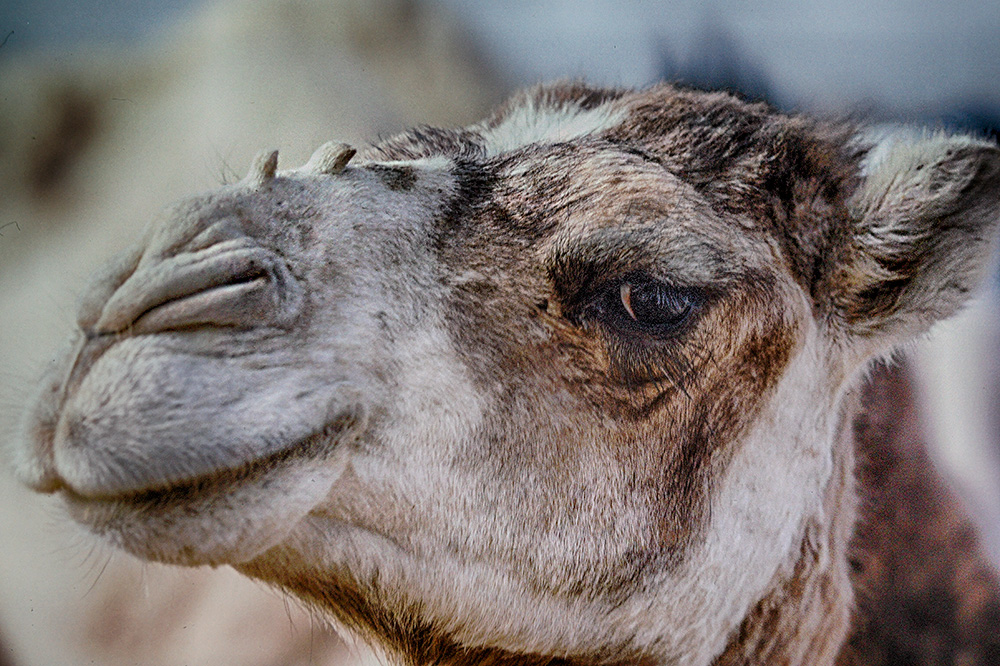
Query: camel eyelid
{"points": [[640, 307]]}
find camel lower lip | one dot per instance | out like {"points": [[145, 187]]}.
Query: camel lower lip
{"points": [[159, 413], [203, 520], [318, 445]]}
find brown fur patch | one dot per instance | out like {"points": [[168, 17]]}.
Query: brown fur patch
{"points": [[409, 637], [788, 175], [424, 141], [396, 178], [926, 595], [692, 395]]}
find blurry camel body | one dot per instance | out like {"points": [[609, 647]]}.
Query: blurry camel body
{"points": [[572, 385]]}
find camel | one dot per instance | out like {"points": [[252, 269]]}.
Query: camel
{"points": [[571, 385]]}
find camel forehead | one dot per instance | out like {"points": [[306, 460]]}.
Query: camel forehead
{"points": [[669, 125], [744, 171], [537, 219]]}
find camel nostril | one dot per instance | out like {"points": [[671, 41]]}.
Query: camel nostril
{"points": [[103, 285], [228, 284], [240, 302]]}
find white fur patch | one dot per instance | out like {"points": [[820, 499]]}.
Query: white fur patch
{"points": [[529, 123], [899, 154]]}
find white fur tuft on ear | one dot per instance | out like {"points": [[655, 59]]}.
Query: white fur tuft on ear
{"points": [[926, 212], [910, 164]]}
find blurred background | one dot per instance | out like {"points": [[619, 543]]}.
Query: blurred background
{"points": [[111, 108]]}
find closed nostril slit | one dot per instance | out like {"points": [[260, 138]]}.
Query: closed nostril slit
{"points": [[219, 286], [102, 286]]}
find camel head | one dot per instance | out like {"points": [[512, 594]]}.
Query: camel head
{"points": [[567, 385]]}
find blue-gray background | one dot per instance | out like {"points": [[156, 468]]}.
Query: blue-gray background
{"points": [[916, 59]]}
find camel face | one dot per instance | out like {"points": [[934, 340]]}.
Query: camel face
{"points": [[188, 372], [583, 362]]}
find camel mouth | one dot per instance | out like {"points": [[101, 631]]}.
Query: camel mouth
{"points": [[203, 520]]}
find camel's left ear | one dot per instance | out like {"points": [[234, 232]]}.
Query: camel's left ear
{"points": [[925, 215]]}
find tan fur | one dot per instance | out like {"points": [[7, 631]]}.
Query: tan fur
{"points": [[567, 386]]}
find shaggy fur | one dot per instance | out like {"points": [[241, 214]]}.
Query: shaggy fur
{"points": [[925, 592]]}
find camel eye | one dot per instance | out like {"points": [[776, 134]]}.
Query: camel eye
{"points": [[640, 304]]}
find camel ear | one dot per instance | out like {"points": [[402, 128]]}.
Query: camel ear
{"points": [[925, 215]]}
